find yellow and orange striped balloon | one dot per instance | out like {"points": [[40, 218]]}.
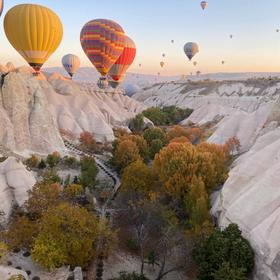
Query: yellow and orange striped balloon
{"points": [[34, 31]]}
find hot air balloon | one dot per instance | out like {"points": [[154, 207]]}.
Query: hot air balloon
{"points": [[194, 63], [231, 36], [1, 6], [204, 5], [162, 64], [103, 42], [118, 70], [163, 55], [34, 31], [223, 62], [140, 65], [198, 73], [191, 49], [71, 63], [172, 41], [277, 30]]}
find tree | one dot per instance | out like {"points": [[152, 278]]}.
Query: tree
{"points": [[222, 252], [87, 141], [41, 197], [155, 115], [177, 131], [126, 153], [21, 233], [32, 162], [53, 159], [137, 178], [89, 172], [67, 235], [73, 191], [155, 146], [181, 139], [154, 133], [137, 124], [232, 145], [226, 272], [175, 115]]}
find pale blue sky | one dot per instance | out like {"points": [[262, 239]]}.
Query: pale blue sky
{"points": [[153, 23]]}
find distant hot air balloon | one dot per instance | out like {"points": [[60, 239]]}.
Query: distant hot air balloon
{"points": [[204, 5], [71, 63], [191, 49], [1, 6], [223, 62], [163, 55], [194, 63], [172, 41], [198, 73], [140, 65], [34, 31], [277, 30], [162, 64], [118, 70], [103, 42], [231, 36]]}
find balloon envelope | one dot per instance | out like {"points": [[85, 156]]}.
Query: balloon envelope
{"points": [[103, 42], [71, 63], [1, 6], [118, 70], [34, 31], [191, 49], [204, 5]]}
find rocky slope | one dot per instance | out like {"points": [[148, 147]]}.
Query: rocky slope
{"points": [[251, 195], [34, 109], [15, 181]]}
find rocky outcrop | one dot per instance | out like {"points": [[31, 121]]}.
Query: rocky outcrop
{"points": [[15, 181], [6, 272]]}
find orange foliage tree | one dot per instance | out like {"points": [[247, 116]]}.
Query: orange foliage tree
{"points": [[87, 141]]}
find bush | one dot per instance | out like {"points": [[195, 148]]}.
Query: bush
{"points": [[32, 162], [87, 141], [89, 172], [224, 252], [42, 164], [53, 159], [71, 162], [137, 124]]}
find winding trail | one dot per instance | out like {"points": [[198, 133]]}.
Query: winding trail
{"points": [[101, 165]]}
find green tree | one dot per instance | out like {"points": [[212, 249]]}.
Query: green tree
{"points": [[155, 147], [226, 272], [32, 162], [222, 247], [137, 124], [154, 133], [155, 115], [89, 172], [53, 159]]}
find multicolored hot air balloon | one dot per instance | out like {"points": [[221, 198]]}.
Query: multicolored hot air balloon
{"points": [[34, 31], [191, 49], [71, 63], [103, 42], [118, 70], [162, 64], [1, 6], [204, 5]]}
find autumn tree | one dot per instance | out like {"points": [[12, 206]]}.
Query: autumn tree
{"points": [[21, 233], [181, 139], [232, 145], [126, 153], [137, 179], [32, 162], [87, 141], [177, 131], [67, 236], [154, 133], [41, 197], [195, 134]]}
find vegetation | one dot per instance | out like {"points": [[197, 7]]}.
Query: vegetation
{"points": [[53, 159], [89, 172], [167, 115], [32, 162], [137, 124], [224, 255], [130, 276], [87, 141]]}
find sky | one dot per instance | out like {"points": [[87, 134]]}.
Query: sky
{"points": [[152, 24]]}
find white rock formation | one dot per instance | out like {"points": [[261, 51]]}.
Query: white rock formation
{"points": [[15, 181], [6, 272], [34, 109], [242, 108]]}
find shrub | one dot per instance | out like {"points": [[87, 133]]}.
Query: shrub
{"points": [[53, 159], [89, 172], [32, 162], [137, 124]]}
